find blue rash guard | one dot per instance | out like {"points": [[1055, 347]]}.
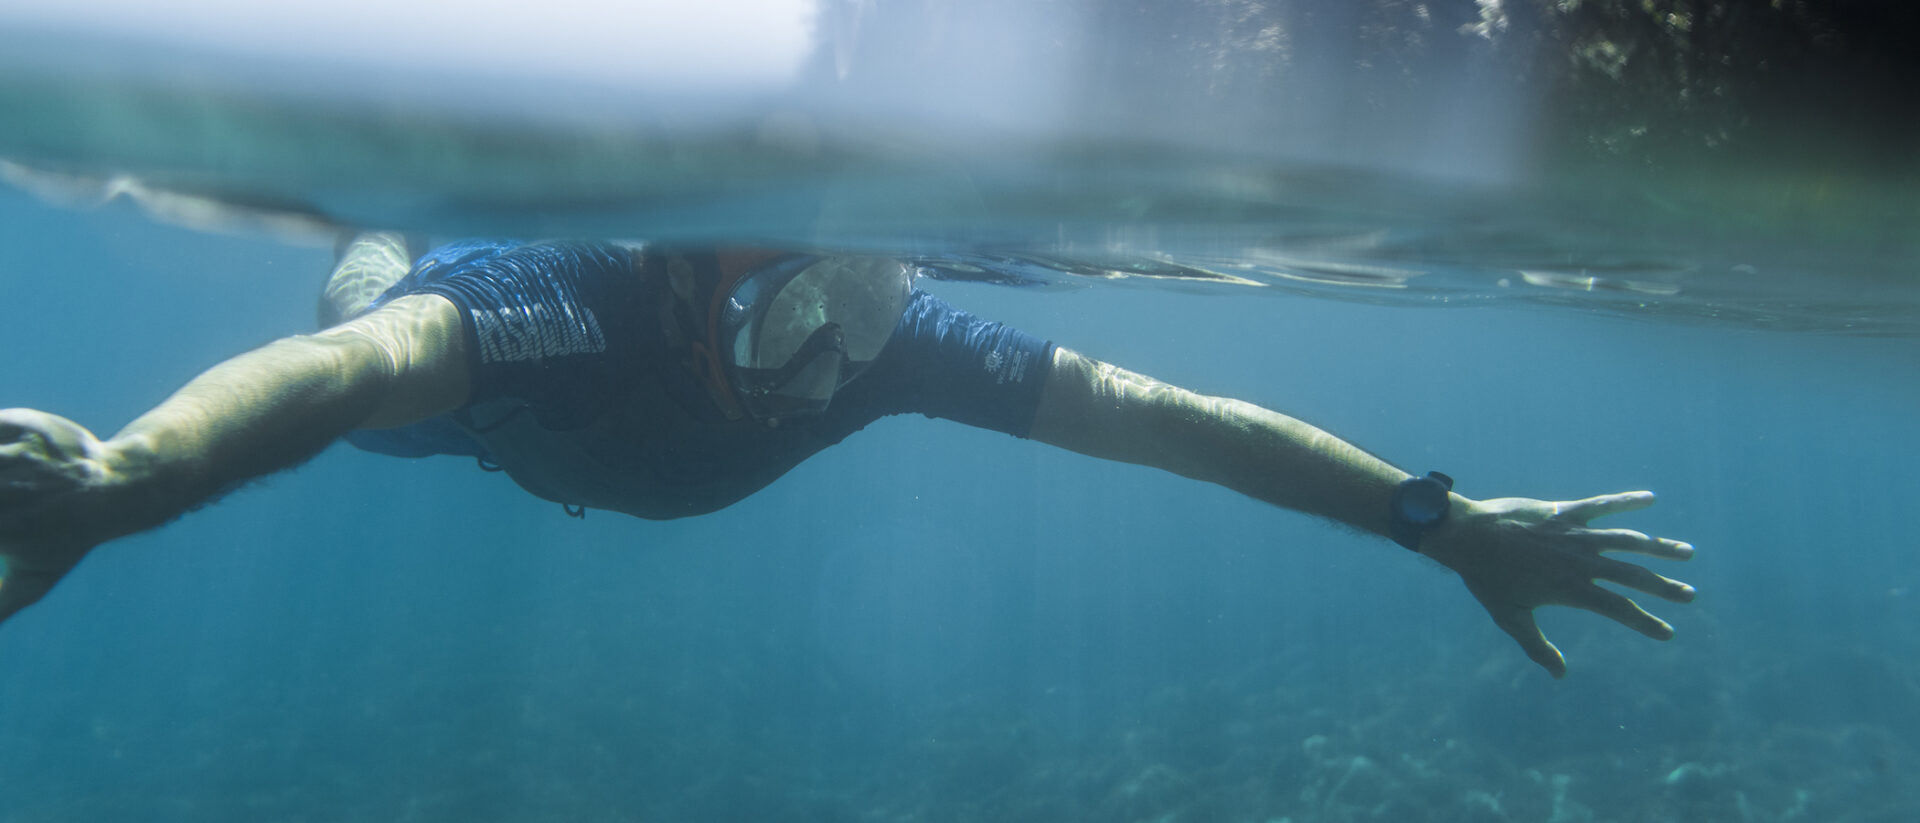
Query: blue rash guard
{"points": [[585, 395]]}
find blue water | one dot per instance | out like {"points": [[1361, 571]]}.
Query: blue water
{"points": [[1373, 229], [935, 623]]}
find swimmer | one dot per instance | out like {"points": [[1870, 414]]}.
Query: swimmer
{"points": [[669, 382]]}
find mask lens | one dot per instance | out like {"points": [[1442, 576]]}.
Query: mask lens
{"points": [[804, 385], [800, 328]]}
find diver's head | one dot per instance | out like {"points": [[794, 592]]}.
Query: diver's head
{"points": [[791, 331]]}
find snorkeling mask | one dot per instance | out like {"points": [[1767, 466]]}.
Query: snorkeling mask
{"points": [[789, 333]]}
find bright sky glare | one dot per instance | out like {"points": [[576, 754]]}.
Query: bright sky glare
{"points": [[638, 44]]}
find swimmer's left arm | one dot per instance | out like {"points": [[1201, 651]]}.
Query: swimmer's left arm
{"points": [[1514, 554]]}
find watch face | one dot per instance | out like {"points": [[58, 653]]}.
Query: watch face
{"points": [[1424, 502]]}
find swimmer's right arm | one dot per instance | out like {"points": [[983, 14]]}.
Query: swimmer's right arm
{"points": [[64, 491]]}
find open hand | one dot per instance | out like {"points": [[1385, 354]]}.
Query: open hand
{"points": [[1517, 554]]}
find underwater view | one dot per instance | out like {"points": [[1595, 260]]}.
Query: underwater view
{"points": [[1552, 249]]}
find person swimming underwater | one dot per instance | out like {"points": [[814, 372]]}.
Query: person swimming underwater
{"points": [[669, 382]]}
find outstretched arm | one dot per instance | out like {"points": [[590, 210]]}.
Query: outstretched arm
{"points": [[63, 491], [1513, 554]]}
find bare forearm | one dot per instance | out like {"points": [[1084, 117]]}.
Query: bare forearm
{"points": [[1104, 411], [252, 415], [274, 407]]}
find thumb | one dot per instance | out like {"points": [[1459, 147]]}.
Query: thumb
{"points": [[1518, 623]]}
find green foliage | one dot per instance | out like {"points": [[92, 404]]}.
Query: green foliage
{"points": [[1671, 81]]}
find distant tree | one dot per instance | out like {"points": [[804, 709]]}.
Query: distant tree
{"points": [[1669, 81]]}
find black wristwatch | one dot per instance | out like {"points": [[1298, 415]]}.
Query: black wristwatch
{"points": [[1419, 504]]}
